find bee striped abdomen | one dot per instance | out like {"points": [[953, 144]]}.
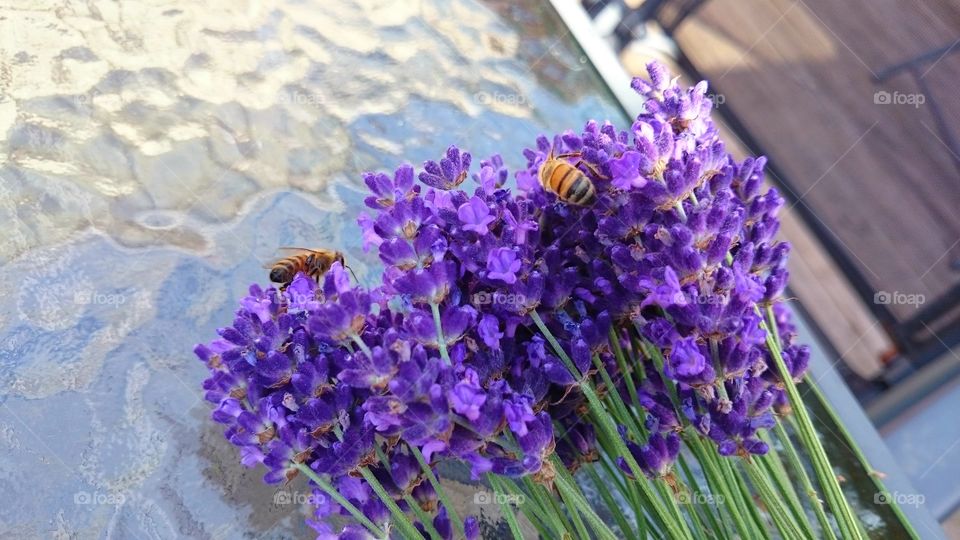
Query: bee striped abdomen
{"points": [[568, 182], [283, 272]]}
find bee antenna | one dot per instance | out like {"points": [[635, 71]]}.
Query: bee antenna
{"points": [[352, 274]]}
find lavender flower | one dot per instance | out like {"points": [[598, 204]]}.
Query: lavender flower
{"points": [[446, 357]]}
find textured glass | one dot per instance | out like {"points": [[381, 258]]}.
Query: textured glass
{"points": [[155, 156]]}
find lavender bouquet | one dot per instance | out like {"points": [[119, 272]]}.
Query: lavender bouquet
{"points": [[621, 368]]}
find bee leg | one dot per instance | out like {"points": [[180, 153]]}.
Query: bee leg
{"points": [[581, 161], [592, 168]]}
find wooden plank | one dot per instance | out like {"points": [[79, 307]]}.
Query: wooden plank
{"points": [[799, 75]]}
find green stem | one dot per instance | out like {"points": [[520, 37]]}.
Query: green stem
{"points": [[422, 516], [775, 506], [407, 530], [506, 510], [550, 508], [849, 527], [793, 458], [740, 484], [629, 491], [719, 482], [626, 370], [773, 465], [852, 444], [673, 528], [529, 506], [335, 495], [611, 503], [425, 519], [554, 343], [573, 509], [441, 341], [441, 493], [363, 346], [666, 495], [570, 491], [639, 488], [694, 514], [617, 405], [714, 521]]}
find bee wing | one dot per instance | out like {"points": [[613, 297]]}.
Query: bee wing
{"points": [[291, 250], [272, 263], [298, 250]]}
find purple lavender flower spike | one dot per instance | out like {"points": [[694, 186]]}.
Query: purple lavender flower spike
{"points": [[449, 173]]}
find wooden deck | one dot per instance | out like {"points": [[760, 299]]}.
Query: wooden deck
{"points": [[879, 178]]}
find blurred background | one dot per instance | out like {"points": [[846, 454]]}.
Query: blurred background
{"points": [[153, 156]]}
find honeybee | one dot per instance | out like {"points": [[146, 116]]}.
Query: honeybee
{"points": [[566, 180], [312, 262]]}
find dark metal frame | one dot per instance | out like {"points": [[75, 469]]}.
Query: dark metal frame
{"points": [[633, 18], [904, 332]]}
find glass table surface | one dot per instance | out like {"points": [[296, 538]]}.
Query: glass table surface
{"points": [[155, 155]]}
